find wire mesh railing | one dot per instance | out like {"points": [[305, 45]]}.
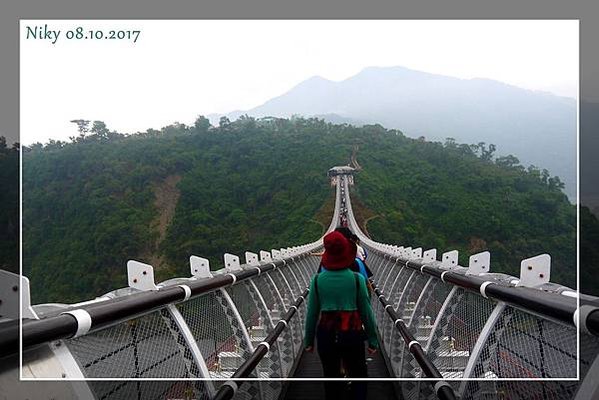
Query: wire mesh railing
{"points": [[267, 347], [423, 366], [204, 327], [476, 327]]}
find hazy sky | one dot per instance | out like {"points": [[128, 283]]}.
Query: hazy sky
{"points": [[179, 69]]}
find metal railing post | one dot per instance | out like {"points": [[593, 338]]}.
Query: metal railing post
{"points": [[192, 346], [483, 337]]}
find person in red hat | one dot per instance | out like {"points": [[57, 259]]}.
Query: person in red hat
{"points": [[340, 317]]}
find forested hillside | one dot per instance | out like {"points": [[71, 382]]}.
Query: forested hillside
{"points": [[9, 206], [160, 196]]}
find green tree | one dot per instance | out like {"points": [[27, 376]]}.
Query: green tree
{"points": [[202, 124]]}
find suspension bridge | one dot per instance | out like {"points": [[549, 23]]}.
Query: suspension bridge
{"points": [[446, 331]]}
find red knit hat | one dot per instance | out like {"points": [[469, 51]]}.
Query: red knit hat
{"points": [[337, 251]]}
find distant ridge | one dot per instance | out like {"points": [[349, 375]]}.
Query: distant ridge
{"points": [[537, 127]]}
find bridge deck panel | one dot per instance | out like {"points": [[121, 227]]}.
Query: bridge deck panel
{"points": [[309, 367]]}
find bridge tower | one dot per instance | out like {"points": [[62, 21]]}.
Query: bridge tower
{"points": [[346, 170]]}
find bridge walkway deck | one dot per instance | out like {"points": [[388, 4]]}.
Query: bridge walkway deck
{"points": [[309, 367]]}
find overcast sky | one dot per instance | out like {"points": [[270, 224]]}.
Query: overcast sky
{"points": [[180, 69]]}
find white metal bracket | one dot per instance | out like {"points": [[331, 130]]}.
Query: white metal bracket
{"points": [[407, 253], [232, 262], [265, 256], [535, 271], [479, 263], [200, 267], [251, 258], [430, 256], [276, 254], [9, 296], [140, 275], [26, 299], [417, 253], [449, 259]]}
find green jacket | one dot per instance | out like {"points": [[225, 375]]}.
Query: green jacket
{"points": [[337, 292]]}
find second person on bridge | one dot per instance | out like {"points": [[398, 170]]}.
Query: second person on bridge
{"points": [[340, 317]]}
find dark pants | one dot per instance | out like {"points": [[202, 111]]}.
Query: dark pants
{"points": [[345, 348]]}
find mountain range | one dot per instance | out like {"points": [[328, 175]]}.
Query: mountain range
{"points": [[539, 128]]}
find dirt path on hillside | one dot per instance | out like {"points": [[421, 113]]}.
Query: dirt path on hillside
{"points": [[166, 196]]}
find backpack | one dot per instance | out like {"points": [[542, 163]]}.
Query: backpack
{"points": [[362, 268]]}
